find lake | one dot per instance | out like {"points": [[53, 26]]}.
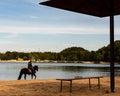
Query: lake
{"points": [[10, 71]]}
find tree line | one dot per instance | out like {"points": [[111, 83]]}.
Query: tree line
{"points": [[71, 54]]}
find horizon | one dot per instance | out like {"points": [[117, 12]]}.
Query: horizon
{"points": [[61, 49], [27, 26]]}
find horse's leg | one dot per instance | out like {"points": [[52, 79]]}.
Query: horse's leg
{"points": [[31, 76], [25, 76], [34, 75]]}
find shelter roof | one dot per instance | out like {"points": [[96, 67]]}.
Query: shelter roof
{"points": [[100, 8]]}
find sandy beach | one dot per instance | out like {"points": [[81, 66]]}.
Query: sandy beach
{"points": [[51, 87]]}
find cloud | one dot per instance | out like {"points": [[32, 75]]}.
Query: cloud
{"points": [[43, 29], [5, 42], [9, 36], [34, 17]]}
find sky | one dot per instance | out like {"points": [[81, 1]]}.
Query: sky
{"points": [[26, 26]]}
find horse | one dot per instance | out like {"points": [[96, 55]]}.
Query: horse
{"points": [[27, 71]]}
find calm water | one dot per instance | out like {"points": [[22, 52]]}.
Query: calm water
{"points": [[10, 71]]}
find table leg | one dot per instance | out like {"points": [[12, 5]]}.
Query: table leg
{"points": [[99, 83], [70, 85], [89, 83], [61, 86]]}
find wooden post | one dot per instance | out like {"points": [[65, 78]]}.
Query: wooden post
{"points": [[112, 76]]}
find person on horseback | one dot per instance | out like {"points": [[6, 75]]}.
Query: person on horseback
{"points": [[30, 66]]}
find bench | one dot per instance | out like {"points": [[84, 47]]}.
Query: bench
{"points": [[78, 78]]}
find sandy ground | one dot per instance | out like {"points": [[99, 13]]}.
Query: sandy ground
{"points": [[52, 88]]}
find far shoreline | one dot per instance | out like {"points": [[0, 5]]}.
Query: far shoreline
{"points": [[51, 61]]}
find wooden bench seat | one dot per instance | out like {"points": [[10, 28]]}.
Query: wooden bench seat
{"points": [[78, 78]]}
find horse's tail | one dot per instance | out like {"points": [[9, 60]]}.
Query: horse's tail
{"points": [[20, 75]]}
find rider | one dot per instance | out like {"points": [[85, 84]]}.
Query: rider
{"points": [[30, 65]]}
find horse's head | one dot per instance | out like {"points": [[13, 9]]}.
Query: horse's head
{"points": [[35, 67]]}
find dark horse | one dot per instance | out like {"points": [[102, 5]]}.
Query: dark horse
{"points": [[26, 71]]}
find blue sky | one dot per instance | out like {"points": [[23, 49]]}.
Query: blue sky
{"points": [[26, 26]]}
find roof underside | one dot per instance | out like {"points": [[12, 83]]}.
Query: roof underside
{"points": [[100, 8]]}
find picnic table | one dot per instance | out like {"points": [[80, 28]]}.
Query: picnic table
{"points": [[78, 78]]}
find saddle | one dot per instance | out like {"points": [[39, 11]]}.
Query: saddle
{"points": [[30, 70]]}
